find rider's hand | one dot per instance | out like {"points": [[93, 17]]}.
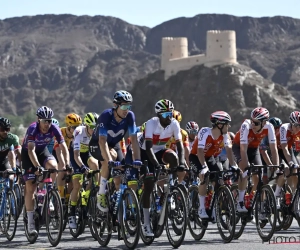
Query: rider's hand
{"points": [[181, 168], [84, 169], [114, 164], [69, 169], [137, 163], [39, 170], [203, 172]]}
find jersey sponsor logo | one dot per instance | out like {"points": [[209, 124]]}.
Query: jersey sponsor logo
{"points": [[113, 134], [101, 125], [203, 131], [4, 147], [281, 133], [243, 130]]}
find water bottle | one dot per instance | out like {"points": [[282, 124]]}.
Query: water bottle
{"points": [[157, 203]]}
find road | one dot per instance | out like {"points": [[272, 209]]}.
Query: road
{"points": [[211, 240]]}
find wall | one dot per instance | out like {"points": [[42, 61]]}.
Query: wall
{"points": [[220, 48]]}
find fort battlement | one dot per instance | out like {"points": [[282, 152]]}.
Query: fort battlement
{"points": [[220, 48]]}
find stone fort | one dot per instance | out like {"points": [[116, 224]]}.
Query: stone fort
{"points": [[220, 48]]}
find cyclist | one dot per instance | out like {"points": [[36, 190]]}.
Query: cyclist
{"points": [[81, 160], [112, 126], [186, 146], [9, 144], [203, 157], [192, 129], [72, 121], [246, 148], [35, 154], [157, 132]]}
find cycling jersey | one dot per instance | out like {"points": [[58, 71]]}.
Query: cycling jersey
{"points": [[68, 139], [191, 143], [159, 135], [113, 130], [246, 135], [8, 144], [33, 134], [81, 139], [286, 136], [211, 146], [172, 142]]}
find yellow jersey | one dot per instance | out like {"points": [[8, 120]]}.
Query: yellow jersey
{"points": [[171, 144], [68, 140]]}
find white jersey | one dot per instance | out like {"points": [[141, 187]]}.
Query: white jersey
{"points": [[81, 139], [158, 135]]}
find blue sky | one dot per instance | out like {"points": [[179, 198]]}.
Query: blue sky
{"points": [[150, 13]]}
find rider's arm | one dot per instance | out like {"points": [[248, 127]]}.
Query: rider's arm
{"points": [[76, 146], [244, 132], [202, 136], [148, 130], [12, 158], [132, 131], [265, 157], [62, 145], [273, 144], [284, 143], [179, 145], [32, 154], [103, 122], [228, 148]]}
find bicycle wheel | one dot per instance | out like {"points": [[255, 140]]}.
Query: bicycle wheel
{"points": [[92, 203], [32, 238], [195, 225], [266, 211], [79, 218], [102, 224], [239, 222], [54, 217], [225, 213], [154, 216], [129, 217], [10, 215], [296, 206], [176, 215], [19, 197]]}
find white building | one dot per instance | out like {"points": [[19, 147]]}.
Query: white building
{"points": [[220, 48]]}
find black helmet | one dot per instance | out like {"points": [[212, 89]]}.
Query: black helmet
{"points": [[4, 123], [275, 121]]}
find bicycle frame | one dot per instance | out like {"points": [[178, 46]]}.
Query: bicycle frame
{"points": [[4, 190]]}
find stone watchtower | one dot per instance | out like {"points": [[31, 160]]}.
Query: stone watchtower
{"points": [[220, 48]]}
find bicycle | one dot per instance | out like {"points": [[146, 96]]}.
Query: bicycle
{"points": [[44, 215], [258, 206], [219, 206], [172, 215], [85, 207], [289, 203], [8, 206], [124, 213]]}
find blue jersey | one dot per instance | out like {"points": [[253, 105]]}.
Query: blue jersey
{"points": [[264, 144], [51, 145], [114, 131], [223, 155]]}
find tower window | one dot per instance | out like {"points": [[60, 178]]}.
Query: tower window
{"points": [[220, 46], [217, 40]]}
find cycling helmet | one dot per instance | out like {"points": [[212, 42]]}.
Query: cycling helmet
{"points": [[191, 126], [122, 96], [275, 121], [260, 113], [4, 123], [73, 120], [164, 105], [220, 117], [44, 113], [177, 115], [90, 119], [295, 117], [56, 122]]}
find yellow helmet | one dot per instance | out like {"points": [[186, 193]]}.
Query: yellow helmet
{"points": [[73, 120], [177, 115]]}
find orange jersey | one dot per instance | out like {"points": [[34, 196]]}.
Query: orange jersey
{"points": [[211, 146], [246, 135], [285, 136], [68, 140]]}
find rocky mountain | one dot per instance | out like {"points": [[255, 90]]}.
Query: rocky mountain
{"points": [[75, 63], [234, 89]]}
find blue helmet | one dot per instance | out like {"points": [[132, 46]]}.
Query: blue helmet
{"points": [[56, 122], [122, 96]]}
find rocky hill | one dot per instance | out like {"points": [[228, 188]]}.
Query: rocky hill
{"points": [[75, 63], [198, 92]]}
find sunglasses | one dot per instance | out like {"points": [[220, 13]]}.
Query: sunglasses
{"points": [[193, 131], [92, 126], [4, 129], [166, 114], [125, 107], [255, 123], [46, 121], [296, 125]]}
